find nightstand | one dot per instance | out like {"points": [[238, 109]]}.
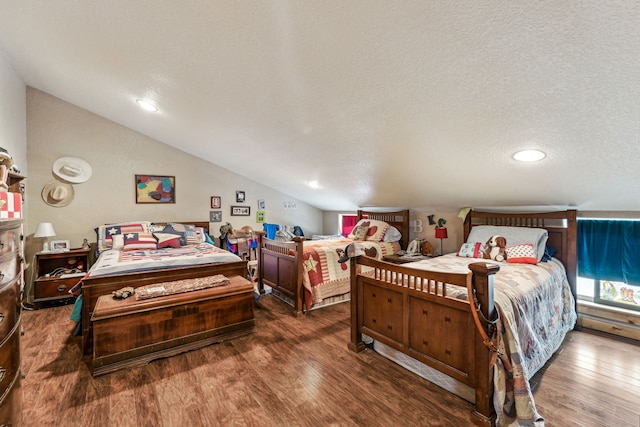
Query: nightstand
{"points": [[398, 259], [52, 280]]}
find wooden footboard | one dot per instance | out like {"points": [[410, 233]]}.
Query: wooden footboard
{"points": [[407, 309], [94, 287], [280, 267]]}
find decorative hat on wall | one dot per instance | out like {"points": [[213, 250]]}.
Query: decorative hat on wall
{"points": [[72, 169], [57, 194]]}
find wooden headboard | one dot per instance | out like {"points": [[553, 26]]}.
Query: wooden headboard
{"points": [[398, 219], [562, 227]]}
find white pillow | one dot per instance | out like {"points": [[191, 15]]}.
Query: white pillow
{"points": [[392, 235], [515, 236]]}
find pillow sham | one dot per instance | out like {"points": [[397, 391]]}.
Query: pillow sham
{"points": [[376, 229], [471, 250], [514, 235], [521, 254], [105, 233], [392, 235], [359, 232], [189, 231], [139, 241]]}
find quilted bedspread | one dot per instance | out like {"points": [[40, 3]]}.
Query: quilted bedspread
{"points": [[117, 262], [324, 276], [536, 311]]}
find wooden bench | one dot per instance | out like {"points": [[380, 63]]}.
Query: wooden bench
{"points": [[130, 333]]}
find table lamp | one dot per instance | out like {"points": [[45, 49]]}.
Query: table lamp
{"points": [[441, 233], [45, 229]]}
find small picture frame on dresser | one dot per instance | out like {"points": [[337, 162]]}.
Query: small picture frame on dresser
{"points": [[60, 246]]}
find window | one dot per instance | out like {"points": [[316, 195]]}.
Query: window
{"points": [[347, 222], [609, 262]]}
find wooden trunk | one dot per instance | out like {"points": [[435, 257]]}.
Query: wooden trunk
{"points": [[129, 332]]}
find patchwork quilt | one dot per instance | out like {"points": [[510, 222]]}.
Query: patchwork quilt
{"points": [[323, 276], [536, 310]]}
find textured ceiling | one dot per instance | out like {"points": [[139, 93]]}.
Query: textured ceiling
{"points": [[393, 104]]}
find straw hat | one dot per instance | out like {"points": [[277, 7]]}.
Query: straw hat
{"points": [[72, 169], [57, 194]]}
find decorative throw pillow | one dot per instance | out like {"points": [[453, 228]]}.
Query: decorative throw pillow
{"points": [[139, 241], [117, 242], [471, 250], [521, 254], [360, 232], [167, 240], [181, 234]]}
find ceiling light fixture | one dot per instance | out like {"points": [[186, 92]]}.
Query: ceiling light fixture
{"points": [[529, 155], [147, 105], [313, 184]]}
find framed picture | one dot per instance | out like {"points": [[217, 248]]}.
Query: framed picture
{"points": [[261, 204], [240, 210], [260, 217], [59, 245], [240, 197], [155, 189], [216, 202], [215, 216]]}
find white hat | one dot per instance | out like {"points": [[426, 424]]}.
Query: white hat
{"points": [[57, 194], [6, 159], [72, 169]]}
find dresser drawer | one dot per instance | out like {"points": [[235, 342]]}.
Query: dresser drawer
{"points": [[10, 358], [9, 307], [53, 288]]}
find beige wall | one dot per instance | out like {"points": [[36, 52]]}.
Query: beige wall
{"points": [[13, 127], [56, 128]]}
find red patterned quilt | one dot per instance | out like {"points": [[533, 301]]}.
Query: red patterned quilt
{"points": [[324, 276]]}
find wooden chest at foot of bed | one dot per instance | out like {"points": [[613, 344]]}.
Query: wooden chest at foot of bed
{"points": [[130, 332]]}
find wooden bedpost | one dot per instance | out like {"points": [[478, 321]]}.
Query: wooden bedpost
{"points": [[355, 344], [261, 236], [484, 413]]}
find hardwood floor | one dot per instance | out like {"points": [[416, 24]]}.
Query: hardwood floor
{"points": [[299, 372]]}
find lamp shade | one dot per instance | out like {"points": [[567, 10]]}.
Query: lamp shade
{"points": [[44, 229], [441, 232]]}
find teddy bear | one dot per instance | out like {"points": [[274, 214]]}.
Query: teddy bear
{"points": [[495, 248]]}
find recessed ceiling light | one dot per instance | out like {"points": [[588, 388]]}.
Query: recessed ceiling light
{"points": [[529, 155], [147, 105], [313, 184]]}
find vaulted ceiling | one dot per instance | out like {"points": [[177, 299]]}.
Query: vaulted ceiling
{"points": [[383, 103]]}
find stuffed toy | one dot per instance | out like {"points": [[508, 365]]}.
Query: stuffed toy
{"points": [[74, 265], [495, 248]]}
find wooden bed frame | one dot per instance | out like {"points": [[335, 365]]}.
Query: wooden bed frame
{"points": [[406, 309], [280, 263], [94, 287]]}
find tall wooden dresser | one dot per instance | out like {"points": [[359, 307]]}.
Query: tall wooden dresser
{"points": [[10, 329]]}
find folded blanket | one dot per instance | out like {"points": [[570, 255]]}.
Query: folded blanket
{"points": [[179, 286]]}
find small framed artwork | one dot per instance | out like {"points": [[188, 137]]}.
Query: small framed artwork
{"points": [[240, 197], [261, 204], [216, 202], [260, 217], [59, 246], [240, 210], [215, 216], [155, 189]]}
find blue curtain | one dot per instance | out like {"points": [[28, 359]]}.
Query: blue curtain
{"points": [[609, 250]]}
